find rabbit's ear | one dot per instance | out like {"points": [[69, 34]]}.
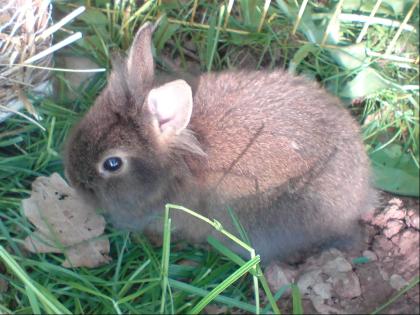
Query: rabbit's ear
{"points": [[170, 107], [140, 66]]}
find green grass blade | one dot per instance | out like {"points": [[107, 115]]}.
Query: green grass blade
{"points": [[213, 37], [82, 288], [239, 227], [138, 293], [296, 300], [119, 262], [6, 235], [216, 244], [221, 299], [5, 310], [239, 261], [78, 308], [276, 297], [226, 283], [412, 284], [129, 282], [271, 299], [165, 258], [33, 301], [53, 304]]}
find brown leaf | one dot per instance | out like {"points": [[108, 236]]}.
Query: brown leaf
{"points": [[64, 224], [88, 254], [39, 243]]}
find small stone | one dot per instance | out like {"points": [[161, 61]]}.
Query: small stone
{"points": [[412, 219], [308, 280], [279, 276], [411, 212], [392, 211], [337, 265], [328, 255], [393, 227], [397, 282], [370, 255], [396, 202], [323, 290], [347, 285], [374, 288], [388, 270], [380, 220], [396, 213], [407, 263], [333, 301], [382, 246], [408, 242], [322, 308]]}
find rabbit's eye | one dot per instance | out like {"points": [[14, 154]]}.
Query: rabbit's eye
{"points": [[112, 164]]}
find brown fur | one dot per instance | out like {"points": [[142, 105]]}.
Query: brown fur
{"points": [[279, 150]]}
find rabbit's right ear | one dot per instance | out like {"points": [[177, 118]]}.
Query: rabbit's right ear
{"points": [[170, 107], [140, 66]]}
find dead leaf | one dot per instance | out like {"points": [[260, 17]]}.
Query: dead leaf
{"points": [[65, 223]]}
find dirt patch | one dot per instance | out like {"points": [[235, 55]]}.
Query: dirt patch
{"points": [[358, 282]]}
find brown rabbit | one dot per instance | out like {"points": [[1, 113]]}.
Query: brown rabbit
{"points": [[277, 149]]}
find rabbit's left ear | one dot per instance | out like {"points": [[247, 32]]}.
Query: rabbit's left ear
{"points": [[170, 107], [140, 65]]}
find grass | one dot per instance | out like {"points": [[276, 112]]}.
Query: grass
{"points": [[207, 36]]}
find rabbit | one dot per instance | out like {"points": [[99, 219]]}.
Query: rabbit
{"points": [[277, 149]]}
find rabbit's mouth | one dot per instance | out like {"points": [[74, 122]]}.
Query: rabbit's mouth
{"points": [[129, 211], [132, 221]]}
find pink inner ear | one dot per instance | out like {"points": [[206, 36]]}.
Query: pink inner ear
{"points": [[171, 106], [162, 122], [165, 112]]}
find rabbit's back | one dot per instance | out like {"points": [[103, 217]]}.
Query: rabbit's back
{"points": [[284, 154], [264, 123]]}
